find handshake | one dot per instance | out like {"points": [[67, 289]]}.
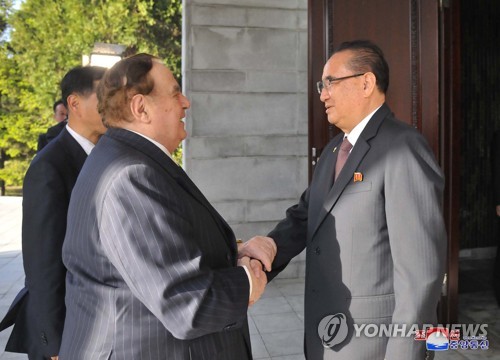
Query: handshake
{"points": [[257, 255]]}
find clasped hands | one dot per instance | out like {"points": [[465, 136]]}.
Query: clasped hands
{"points": [[257, 254]]}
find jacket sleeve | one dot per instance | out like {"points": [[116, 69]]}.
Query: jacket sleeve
{"points": [[150, 233], [42, 141], [45, 206], [417, 236], [290, 235]]}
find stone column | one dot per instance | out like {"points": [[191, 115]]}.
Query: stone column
{"points": [[245, 73]]}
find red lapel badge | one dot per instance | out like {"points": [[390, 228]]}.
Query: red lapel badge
{"points": [[358, 177]]}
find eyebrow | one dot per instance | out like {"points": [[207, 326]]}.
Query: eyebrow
{"points": [[176, 89]]}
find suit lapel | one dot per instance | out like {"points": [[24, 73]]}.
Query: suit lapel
{"points": [[188, 185], [185, 181], [346, 176], [323, 180], [156, 154], [73, 149]]}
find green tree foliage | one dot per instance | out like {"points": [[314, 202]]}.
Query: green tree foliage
{"points": [[5, 7], [48, 38]]}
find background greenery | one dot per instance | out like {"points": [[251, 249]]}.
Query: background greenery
{"points": [[43, 39]]}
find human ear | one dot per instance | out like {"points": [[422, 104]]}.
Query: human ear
{"points": [[138, 108], [73, 103], [369, 83]]}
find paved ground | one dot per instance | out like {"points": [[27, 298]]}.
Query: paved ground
{"points": [[11, 262], [276, 321]]}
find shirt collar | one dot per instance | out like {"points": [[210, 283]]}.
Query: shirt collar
{"points": [[85, 143], [358, 129], [162, 148]]}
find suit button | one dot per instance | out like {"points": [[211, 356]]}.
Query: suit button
{"points": [[44, 338], [230, 326], [317, 251]]}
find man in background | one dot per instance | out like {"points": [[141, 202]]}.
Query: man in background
{"points": [[39, 310], [60, 115]]}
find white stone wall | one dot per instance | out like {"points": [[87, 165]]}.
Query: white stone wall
{"points": [[245, 73]]}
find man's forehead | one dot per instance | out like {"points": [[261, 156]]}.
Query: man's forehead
{"points": [[171, 84], [336, 62], [160, 68], [162, 74], [329, 68]]}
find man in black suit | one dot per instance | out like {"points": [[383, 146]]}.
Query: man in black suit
{"points": [[60, 115], [152, 267], [38, 311]]}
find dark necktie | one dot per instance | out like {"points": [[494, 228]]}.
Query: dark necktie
{"points": [[345, 148]]}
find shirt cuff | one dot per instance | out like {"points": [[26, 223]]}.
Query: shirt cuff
{"points": [[249, 280]]}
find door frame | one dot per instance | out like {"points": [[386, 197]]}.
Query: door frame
{"points": [[450, 159]]}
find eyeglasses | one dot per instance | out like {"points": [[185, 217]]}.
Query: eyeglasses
{"points": [[329, 80]]}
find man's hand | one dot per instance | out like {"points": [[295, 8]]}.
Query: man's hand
{"points": [[54, 358], [261, 248], [498, 210], [258, 278]]}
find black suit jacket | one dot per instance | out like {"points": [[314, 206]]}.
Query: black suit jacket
{"points": [[51, 134], [151, 265], [39, 311]]}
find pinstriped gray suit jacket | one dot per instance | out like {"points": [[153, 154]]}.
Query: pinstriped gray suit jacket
{"points": [[375, 248], [151, 265]]}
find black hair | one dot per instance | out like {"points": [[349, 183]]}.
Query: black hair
{"points": [[367, 57], [56, 104], [80, 80]]}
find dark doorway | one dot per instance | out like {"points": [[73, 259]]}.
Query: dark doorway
{"points": [[480, 109], [480, 118]]}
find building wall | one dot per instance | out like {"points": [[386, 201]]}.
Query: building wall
{"points": [[245, 73]]}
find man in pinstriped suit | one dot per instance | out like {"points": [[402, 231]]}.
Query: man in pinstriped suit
{"points": [[151, 265]]}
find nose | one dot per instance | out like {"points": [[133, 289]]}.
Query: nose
{"points": [[324, 95], [185, 102]]}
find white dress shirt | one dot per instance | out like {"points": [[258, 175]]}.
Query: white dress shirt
{"points": [[358, 129], [85, 143]]}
